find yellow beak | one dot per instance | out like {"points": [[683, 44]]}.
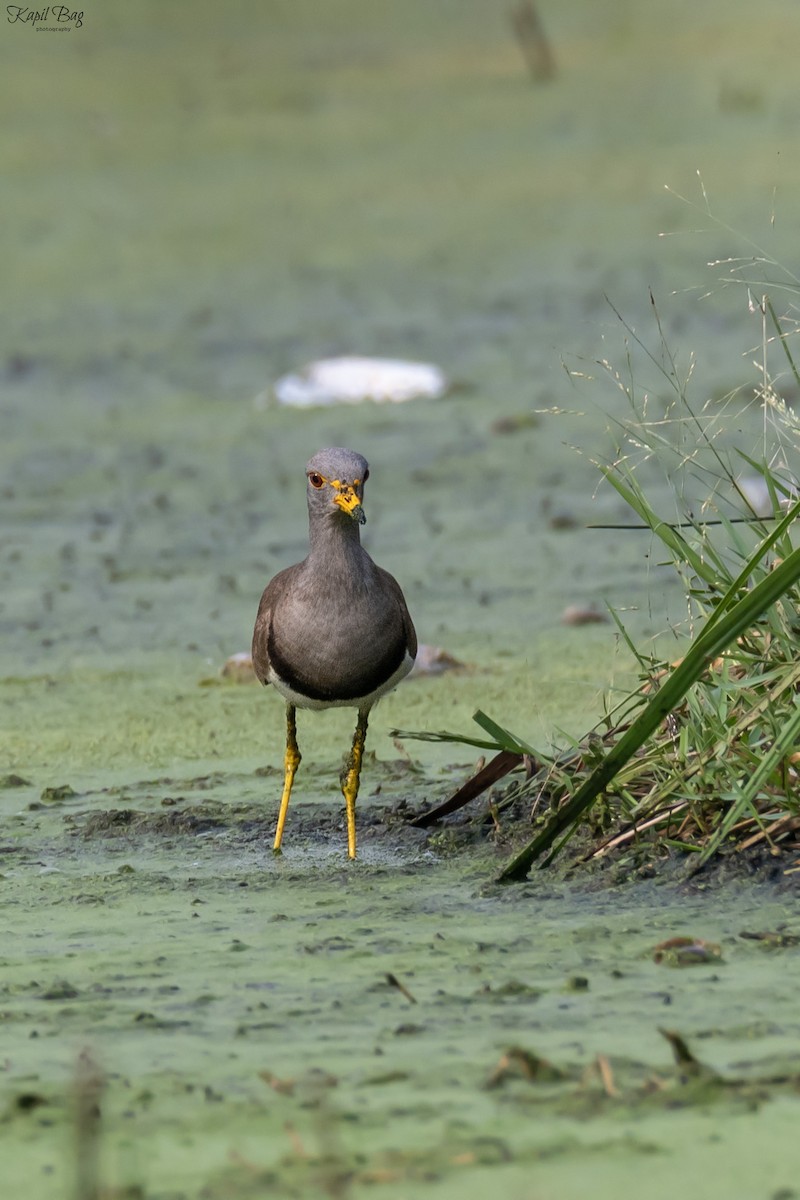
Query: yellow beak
{"points": [[348, 501]]}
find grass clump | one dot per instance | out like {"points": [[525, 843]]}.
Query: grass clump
{"points": [[704, 756]]}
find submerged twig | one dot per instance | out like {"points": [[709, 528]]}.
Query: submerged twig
{"points": [[606, 1076], [89, 1088], [394, 982], [533, 41]]}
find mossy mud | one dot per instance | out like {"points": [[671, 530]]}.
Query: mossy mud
{"points": [[194, 203], [309, 1026]]}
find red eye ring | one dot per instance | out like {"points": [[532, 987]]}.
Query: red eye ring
{"points": [[315, 480]]}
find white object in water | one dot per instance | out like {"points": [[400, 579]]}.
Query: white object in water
{"points": [[754, 490], [351, 379]]}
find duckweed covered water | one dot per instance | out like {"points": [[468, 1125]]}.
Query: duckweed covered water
{"points": [[241, 1010], [194, 204]]}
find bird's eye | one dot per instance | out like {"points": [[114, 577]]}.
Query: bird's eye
{"points": [[315, 480], [366, 476]]}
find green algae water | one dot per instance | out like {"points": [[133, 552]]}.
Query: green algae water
{"points": [[194, 202], [244, 1014]]}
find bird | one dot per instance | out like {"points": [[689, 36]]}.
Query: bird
{"points": [[333, 630]]}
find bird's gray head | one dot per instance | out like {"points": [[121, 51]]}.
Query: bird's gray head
{"points": [[336, 479]]}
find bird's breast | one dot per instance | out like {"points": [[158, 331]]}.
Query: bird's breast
{"points": [[338, 651]]}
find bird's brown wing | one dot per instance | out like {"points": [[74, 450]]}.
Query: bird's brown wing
{"points": [[393, 587], [270, 597]]}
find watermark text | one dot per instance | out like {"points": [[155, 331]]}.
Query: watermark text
{"points": [[65, 17]]}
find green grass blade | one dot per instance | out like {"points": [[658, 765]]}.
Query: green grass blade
{"points": [[425, 735], [504, 739], [747, 570], [672, 538], [782, 338]]}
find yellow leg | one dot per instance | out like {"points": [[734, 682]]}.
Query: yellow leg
{"points": [[350, 778], [290, 764]]}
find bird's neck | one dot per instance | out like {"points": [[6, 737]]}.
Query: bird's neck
{"points": [[334, 536]]}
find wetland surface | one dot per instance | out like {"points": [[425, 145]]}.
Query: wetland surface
{"points": [[194, 203]]}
